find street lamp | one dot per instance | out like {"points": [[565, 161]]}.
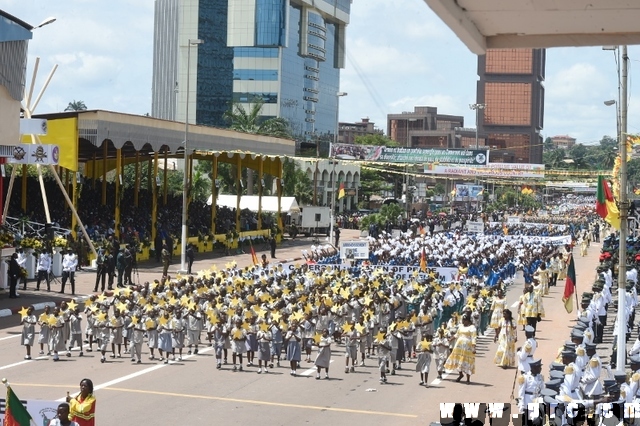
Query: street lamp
{"points": [[333, 175], [185, 233], [477, 108], [47, 21], [622, 68]]}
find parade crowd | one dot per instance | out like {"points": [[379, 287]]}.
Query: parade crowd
{"points": [[260, 316]]}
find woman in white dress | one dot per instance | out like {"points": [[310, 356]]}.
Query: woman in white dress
{"points": [[28, 331], [506, 336], [323, 359], [497, 306]]}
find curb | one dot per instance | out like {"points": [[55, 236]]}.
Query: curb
{"points": [[40, 306], [82, 298]]}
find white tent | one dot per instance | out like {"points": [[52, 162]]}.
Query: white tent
{"points": [[269, 203]]}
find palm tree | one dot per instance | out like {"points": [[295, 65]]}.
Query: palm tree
{"points": [[76, 106], [251, 122]]}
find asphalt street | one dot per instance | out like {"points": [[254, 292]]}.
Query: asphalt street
{"points": [[194, 392]]}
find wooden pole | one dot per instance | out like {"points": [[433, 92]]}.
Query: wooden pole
{"points": [[239, 191], [154, 204], [164, 184], [23, 199], [105, 152], [118, 189], [214, 194], [136, 185], [260, 191]]}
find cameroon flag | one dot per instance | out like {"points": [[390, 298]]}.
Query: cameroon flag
{"points": [[569, 286], [14, 413], [341, 192], [423, 261], [606, 205]]}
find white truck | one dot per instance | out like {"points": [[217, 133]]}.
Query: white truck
{"points": [[312, 220]]}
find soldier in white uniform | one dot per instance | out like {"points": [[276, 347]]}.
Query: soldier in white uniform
{"points": [[44, 267], [69, 265], [590, 380], [526, 353], [531, 384], [570, 387]]}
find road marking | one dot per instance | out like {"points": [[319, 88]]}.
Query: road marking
{"points": [[311, 370], [256, 402], [142, 372], [10, 337]]}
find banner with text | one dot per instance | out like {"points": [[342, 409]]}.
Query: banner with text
{"points": [[473, 157], [41, 411], [354, 250], [399, 272], [506, 170]]}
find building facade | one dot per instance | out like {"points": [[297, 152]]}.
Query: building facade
{"points": [[511, 89], [284, 53], [425, 128], [327, 175], [563, 141], [348, 132]]}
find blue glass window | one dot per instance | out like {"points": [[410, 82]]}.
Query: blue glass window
{"points": [[255, 52], [249, 74], [270, 22], [244, 97]]}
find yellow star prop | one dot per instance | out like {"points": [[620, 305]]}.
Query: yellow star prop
{"points": [[101, 298], [237, 334], [276, 316], [359, 328], [135, 320], [150, 324], [23, 312], [346, 327], [380, 337], [316, 338], [43, 317], [52, 320], [163, 321], [102, 316], [72, 305], [264, 326]]}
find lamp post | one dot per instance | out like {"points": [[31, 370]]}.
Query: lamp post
{"points": [[333, 174], [47, 21], [185, 233], [477, 108], [621, 115]]}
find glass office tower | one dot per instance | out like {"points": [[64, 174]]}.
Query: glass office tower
{"points": [[285, 53]]}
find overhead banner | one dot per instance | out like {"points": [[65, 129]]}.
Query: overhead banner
{"points": [[505, 170], [354, 250], [386, 154], [398, 272]]}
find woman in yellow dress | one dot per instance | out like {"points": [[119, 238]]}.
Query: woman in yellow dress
{"points": [[522, 308], [506, 336], [542, 274], [463, 355], [497, 307]]}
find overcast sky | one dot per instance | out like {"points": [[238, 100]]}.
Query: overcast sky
{"points": [[399, 55]]}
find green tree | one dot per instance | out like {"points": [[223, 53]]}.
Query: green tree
{"points": [[548, 145], [76, 106], [250, 121], [296, 182], [374, 139]]}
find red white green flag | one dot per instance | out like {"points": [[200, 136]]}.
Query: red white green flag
{"points": [[569, 286], [14, 413]]}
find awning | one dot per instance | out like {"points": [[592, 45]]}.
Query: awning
{"points": [[269, 203]]}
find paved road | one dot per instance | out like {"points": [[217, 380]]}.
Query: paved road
{"points": [[194, 392]]}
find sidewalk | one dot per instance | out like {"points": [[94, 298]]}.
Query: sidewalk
{"points": [[287, 251]]}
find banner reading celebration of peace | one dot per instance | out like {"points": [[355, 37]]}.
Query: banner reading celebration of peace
{"points": [[516, 170]]}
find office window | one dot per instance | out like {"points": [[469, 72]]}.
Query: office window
{"points": [[263, 75], [507, 104], [509, 61], [270, 22], [255, 52], [267, 98]]}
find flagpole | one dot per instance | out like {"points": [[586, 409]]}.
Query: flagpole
{"points": [[575, 287]]}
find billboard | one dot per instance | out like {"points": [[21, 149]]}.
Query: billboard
{"points": [[469, 157], [464, 190], [354, 250], [504, 170]]}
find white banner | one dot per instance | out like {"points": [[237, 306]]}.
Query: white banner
{"points": [[534, 225], [512, 220], [33, 126], [491, 170], [354, 250], [35, 154], [41, 411], [475, 227], [399, 272]]}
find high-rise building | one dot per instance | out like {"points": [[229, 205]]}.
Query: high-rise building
{"points": [[348, 132], [425, 128], [285, 53], [511, 90]]}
